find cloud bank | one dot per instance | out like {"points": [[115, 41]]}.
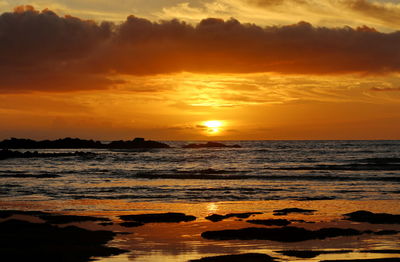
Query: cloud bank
{"points": [[43, 51]]}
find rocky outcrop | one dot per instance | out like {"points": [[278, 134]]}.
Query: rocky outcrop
{"points": [[74, 143], [26, 241], [158, 218], [136, 143], [217, 218], [5, 153], [372, 218]]}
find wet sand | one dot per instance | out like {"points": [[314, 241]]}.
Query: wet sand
{"points": [[152, 240]]}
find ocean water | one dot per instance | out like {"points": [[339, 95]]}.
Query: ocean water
{"points": [[259, 170]]}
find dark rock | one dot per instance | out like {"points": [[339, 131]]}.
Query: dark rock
{"points": [[135, 144], [310, 253], [373, 218], [284, 234], [26, 241], [270, 222], [52, 218], [249, 257], [9, 213], [64, 219], [78, 143], [159, 218], [106, 223], [131, 224], [5, 153], [217, 218], [386, 232], [210, 145], [59, 143], [286, 211]]}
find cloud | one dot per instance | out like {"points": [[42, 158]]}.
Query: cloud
{"points": [[386, 12], [269, 3], [43, 51], [385, 89], [218, 46], [382, 14]]}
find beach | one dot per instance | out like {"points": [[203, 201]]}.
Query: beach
{"points": [[279, 201], [161, 241]]}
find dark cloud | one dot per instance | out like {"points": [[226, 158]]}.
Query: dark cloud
{"points": [[215, 46], [29, 37], [42, 51]]}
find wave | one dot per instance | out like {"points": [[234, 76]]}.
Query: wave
{"points": [[297, 177], [365, 164]]}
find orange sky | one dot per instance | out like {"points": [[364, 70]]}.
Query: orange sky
{"points": [[303, 74]]}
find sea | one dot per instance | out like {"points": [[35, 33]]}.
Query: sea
{"points": [[257, 171]]}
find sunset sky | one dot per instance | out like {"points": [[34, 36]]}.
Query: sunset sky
{"points": [[160, 69]]}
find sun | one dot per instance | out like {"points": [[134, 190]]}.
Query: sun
{"points": [[212, 126]]}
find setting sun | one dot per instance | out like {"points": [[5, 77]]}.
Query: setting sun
{"points": [[212, 126]]}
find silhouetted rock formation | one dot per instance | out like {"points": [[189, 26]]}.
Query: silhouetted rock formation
{"points": [[59, 143], [286, 211], [9, 213], [26, 241], [53, 218], [249, 257], [5, 153], [373, 218], [284, 234], [131, 224], [210, 145], [386, 232], [159, 218], [136, 143], [270, 222], [73, 143], [106, 223], [217, 218], [56, 219]]}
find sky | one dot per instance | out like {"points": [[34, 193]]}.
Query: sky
{"points": [[163, 69]]}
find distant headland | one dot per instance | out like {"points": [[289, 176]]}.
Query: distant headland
{"points": [[75, 143]]}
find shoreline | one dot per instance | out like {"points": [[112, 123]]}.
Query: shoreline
{"points": [[183, 241]]}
